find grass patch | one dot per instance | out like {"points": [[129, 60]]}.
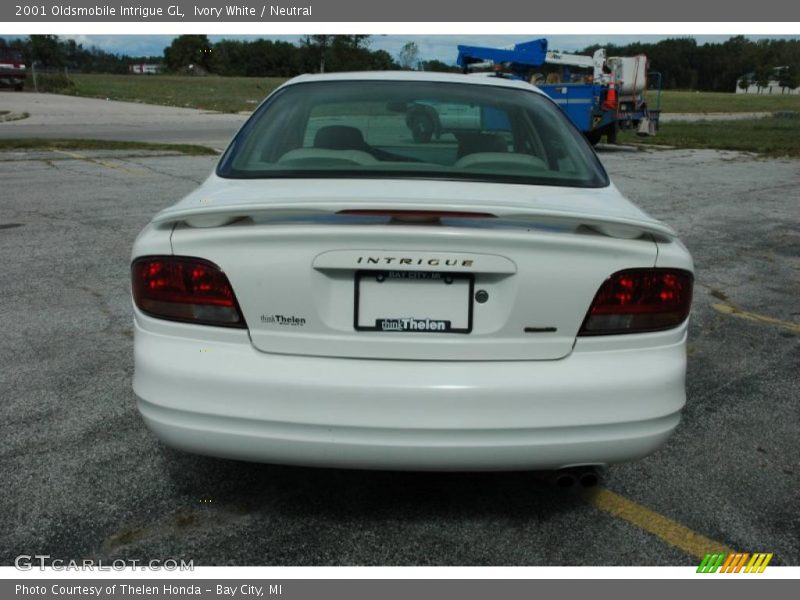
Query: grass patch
{"points": [[705, 102], [78, 144], [234, 94], [223, 94], [55, 83], [7, 115], [771, 136]]}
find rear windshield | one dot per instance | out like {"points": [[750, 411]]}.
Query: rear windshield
{"points": [[407, 129]]}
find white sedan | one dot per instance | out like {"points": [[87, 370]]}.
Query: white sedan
{"points": [[335, 294]]}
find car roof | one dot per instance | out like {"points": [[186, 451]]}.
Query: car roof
{"points": [[431, 76]]}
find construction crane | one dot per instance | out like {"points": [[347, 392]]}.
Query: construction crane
{"points": [[610, 99], [595, 62]]}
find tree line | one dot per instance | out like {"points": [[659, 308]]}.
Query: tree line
{"points": [[716, 67], [682, 62], [196, 54], [50, 51]]}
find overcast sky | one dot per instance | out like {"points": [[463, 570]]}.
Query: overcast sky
{"points": [[441, 47]]}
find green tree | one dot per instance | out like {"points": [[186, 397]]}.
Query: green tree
{"points": [[330, 53], [380, 60], [317, 49], [46, 50], [263, 58], [187, 51], [350, 53], [355, 42], [437, 65], [763, 76], [790, 76], [228, 58], [684, 64]]}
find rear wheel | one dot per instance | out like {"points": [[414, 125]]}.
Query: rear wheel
{"points": [[611, 133], [421, 128], [594, 137]]}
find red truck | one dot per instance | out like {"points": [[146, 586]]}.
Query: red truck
{"points": [[12, 68]]}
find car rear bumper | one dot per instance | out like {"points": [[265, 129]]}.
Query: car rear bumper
{"points": [[230, 400]]}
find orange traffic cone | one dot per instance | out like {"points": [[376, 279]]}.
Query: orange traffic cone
{"points": [[611, 96]]}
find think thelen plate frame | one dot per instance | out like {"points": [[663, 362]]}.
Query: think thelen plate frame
{"points": [[404, 274]]}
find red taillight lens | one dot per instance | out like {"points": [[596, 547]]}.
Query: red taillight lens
{"points": [[184, 289], [639, 300]]}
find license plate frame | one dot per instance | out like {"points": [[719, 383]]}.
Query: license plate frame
{"points": [[411, 276]]}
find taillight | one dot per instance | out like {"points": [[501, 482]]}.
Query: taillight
{"points": [[184, 289], [639, 300]]}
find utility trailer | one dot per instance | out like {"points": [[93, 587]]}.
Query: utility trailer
{"points": [[609, 99]]}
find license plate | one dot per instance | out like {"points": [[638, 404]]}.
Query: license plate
{"points": [[413, 302]]}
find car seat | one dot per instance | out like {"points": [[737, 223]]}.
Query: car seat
{"points": [[340, 137], [473, 143]]}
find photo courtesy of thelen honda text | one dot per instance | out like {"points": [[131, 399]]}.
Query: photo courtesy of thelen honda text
{"points": [[343, 291]]}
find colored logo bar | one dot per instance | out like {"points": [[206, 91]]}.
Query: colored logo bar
{"points": [[734, 563]]}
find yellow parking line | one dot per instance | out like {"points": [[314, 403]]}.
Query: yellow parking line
{"points": [[662, 527], [96, 161], [735, 311]]}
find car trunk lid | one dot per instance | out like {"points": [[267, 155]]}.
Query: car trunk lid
{"points": [[312, 278]]}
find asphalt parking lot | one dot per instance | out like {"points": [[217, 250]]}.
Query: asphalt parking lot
{"points": [[83, 478], [60, 116]]}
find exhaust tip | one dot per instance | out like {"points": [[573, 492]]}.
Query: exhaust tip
{"points": [[587, 476], [565, 480]]}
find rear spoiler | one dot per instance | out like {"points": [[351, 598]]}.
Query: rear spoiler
{"points": [[618, 226]]}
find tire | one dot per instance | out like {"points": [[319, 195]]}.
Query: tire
{"points": [[593, 137], [611, 133], [422, 128], [19, 87]]}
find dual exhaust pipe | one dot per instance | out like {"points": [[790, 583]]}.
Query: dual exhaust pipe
{"points": [[586, 477]]}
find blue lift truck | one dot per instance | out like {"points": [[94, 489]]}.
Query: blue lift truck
{"points": [[604, 101]]}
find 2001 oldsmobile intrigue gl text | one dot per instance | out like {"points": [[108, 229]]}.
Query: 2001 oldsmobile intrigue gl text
{"points": [[339, 294]]}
